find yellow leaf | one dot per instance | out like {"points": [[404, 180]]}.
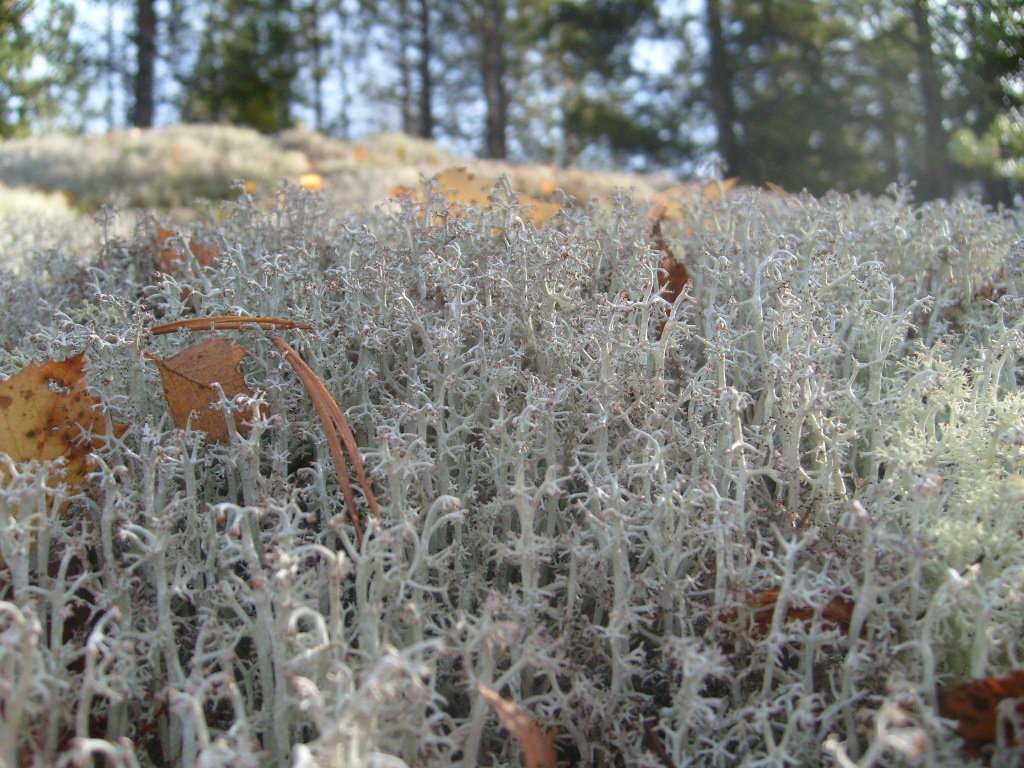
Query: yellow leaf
{"points": [[463, 188], [45, 413], [314, 182], [668, 204]]}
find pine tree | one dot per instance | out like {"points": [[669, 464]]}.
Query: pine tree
{"points": [[144, 82], [246, 69]]}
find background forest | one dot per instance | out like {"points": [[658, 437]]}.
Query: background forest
{"points": [[816, 94]]}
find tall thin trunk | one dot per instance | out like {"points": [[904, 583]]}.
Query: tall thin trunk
{"points": [[113, 72], [492, 63], [426, 124], [316, 53], [935, 180], [145, 44], [720, 80], [343, 121], [405, 68]]}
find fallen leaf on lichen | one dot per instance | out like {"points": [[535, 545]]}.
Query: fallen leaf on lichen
{"points": [[975, 706], [46, 412], [672, 272], [837, 614], [668, 204], [172, 257], [188, 380], [463, 189], [538, 747], [313, 182]]}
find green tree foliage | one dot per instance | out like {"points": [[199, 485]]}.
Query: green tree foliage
{"points": [[37, 63], [590, 46], [810, 109], [246, 69], [856, 94], [987, 53]]}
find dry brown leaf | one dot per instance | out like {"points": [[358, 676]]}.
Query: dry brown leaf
{"points": [[975, 706], [837, 613], [46, 411], [188, 380], [777, 189], [672, 273], [171, 255], [538, 747], [995, 289]]}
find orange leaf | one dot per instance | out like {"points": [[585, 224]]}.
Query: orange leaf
{"points": [[188, 380], [360, 154], [171, 255], [548, 188], [46, 411], [538, 747], [975, 707]]}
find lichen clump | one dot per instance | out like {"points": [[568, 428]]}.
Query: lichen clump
{"points": [[576, 503]]}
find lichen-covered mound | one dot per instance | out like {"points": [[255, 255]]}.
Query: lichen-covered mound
{"points": [[761, 527]]}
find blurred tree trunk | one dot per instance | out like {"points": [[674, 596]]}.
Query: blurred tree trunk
{"points": [[317, 44], [426, 121], [405, 68], [145, 45], [492, 63], [720, 83], [934, 181]]}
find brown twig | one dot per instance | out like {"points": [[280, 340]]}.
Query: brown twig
{"points": [[335, 425], [228, 322]]}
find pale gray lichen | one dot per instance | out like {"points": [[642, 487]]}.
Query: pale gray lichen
{"points": [[572, 506]]}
